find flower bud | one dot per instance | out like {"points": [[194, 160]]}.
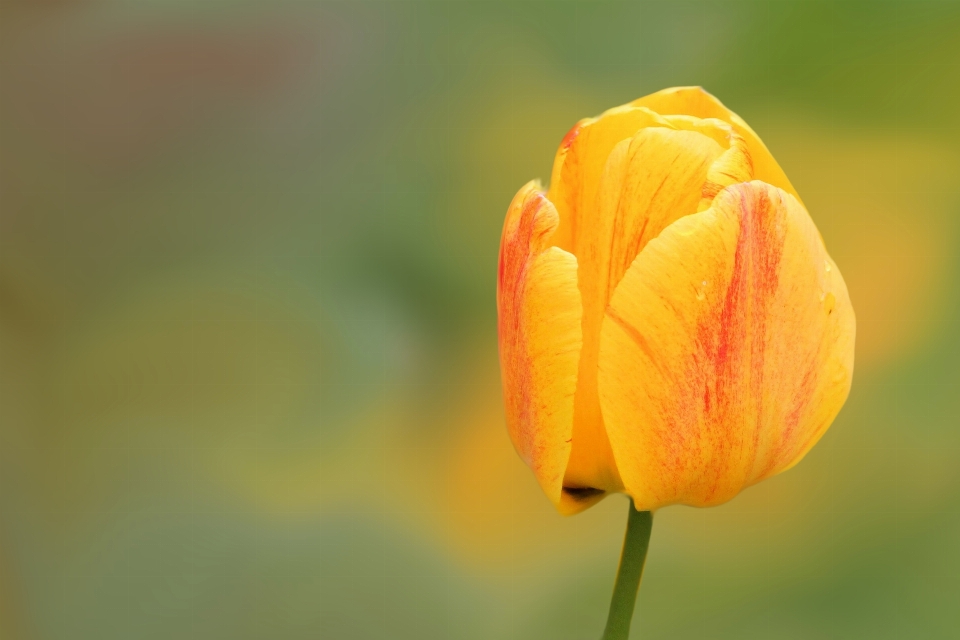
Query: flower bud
{"points": [[670, 323]]}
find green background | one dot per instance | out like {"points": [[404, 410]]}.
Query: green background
{"points": [[248, 372]]}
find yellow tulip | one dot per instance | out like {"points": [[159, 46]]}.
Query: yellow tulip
{"points": [[670, 323]]}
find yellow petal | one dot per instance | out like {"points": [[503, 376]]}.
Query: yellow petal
{"points": [[694, 101], [579, 164], [539, 315], [649, 181], [726, 350]]}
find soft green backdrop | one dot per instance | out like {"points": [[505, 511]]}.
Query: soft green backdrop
{"points": [[248, 370]]}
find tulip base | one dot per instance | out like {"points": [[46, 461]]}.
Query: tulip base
{"points": [[635, 544]]}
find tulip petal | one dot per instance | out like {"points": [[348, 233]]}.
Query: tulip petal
{"points": [[726, 350], [539, 313], [695, 101], [664, 171], [649, 181], [580, 162]]}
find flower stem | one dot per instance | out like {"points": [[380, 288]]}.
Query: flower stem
{"points": [[635, 543]]}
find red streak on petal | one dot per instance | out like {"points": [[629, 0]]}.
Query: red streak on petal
{"points": [[571, 136], [735, 338], [516, 253]]}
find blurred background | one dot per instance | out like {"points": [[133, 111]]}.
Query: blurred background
{"points": [[248, 368]]}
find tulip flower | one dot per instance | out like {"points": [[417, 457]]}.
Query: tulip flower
{"points": [[671, 326]]}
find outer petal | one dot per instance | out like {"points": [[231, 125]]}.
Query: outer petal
{"points": [[694, 101], [539, 314], [726, 351]]}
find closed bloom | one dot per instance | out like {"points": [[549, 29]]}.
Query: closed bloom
{"points": [[670, 323]]}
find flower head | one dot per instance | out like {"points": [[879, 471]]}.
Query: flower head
{"points": [[670, 323]]}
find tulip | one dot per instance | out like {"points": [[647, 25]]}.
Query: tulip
{"points": [[670, 324]]}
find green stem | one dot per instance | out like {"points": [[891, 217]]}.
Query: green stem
{"points": [[635, 543]]}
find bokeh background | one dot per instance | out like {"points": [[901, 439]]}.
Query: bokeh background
{"points": [[248, 370]]}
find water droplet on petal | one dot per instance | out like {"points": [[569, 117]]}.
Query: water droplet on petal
{"points": [[826, 266]]}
